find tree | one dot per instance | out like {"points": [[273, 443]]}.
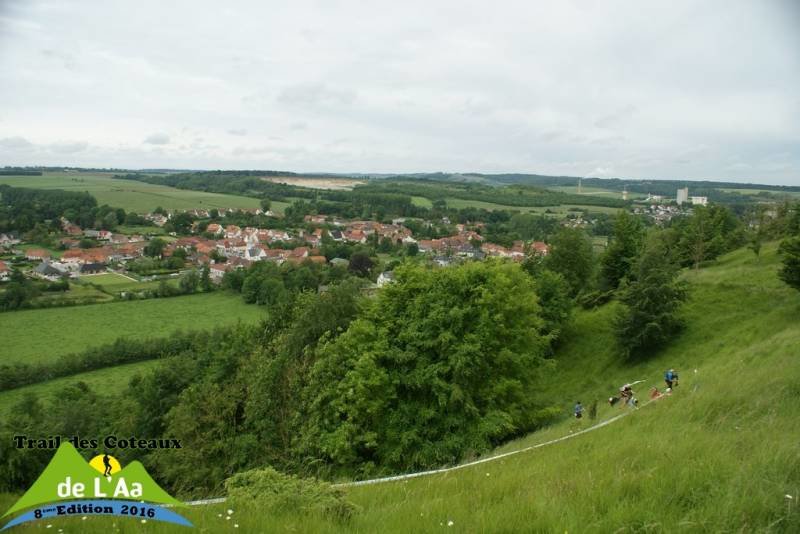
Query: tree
{"points": [[265, 204], [790, 269], [360, 263], [406, 385], [205, 278], [155, 247], [180, 223], [160, 211], [649, 316], [555, 302], [109, 221], [189, 282], [709, 232], [213, 213], [623, 250], [572, 257]]}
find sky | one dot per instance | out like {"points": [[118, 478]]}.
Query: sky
{"points": [[702, 90]]}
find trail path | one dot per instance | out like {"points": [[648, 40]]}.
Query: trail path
{"points": [[592, 428]]}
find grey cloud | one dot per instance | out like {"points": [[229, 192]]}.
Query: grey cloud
{"points": [[316, 94], [157, 139], [16, 143], [238, 131], [616, 117], [68, 147]]}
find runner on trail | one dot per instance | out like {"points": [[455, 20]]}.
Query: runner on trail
{"points": [[578, 410], [671, 379]]}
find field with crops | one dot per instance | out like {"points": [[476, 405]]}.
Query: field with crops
{"points": [[131, 195], [554, 211]]}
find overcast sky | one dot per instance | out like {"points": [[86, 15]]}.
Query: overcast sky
{"points": [[673, 89]]}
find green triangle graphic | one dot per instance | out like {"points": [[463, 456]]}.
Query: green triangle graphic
{"points": [[67, 462]]}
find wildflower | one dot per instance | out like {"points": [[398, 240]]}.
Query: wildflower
{"points": [[83, 518], [450, 523], [789, 496], [144, 520], [230, 511], [236, 525]]}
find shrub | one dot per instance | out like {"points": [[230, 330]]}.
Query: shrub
{"points": [[271, 491]]}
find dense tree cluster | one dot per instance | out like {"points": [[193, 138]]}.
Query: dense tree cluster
{"points": [[329, 382]]}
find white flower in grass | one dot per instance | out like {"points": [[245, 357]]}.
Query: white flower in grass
{"points": [[236, 525], [144, 520], [83, 518], [49, 526], [230, 511], [219, 515], [789, 496], [450, 523], [228, 518]]}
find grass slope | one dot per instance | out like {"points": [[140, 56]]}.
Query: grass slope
{"points": [[45, 334], [130, 194], [717, 456]]}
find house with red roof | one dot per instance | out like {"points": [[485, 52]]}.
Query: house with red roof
{"points": [[37, 254]]}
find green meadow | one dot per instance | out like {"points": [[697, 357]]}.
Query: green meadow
{"points": [[718, 455], [44, 334], [132, 195]]}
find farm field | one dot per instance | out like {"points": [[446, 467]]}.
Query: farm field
{"points": [[422, 202], [594, 191], [555, 211], [131, 195], [45, 334], [105, 381], [692, 462], [335, 184], [753, 192]]}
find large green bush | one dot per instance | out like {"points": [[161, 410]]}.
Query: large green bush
{"points": [[273, 492]]}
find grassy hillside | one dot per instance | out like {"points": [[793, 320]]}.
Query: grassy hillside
{"points": [[129, 194], [41, 335], [719, 455]]}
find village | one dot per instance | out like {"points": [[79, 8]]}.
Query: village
{"points": [[227, 247]]}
